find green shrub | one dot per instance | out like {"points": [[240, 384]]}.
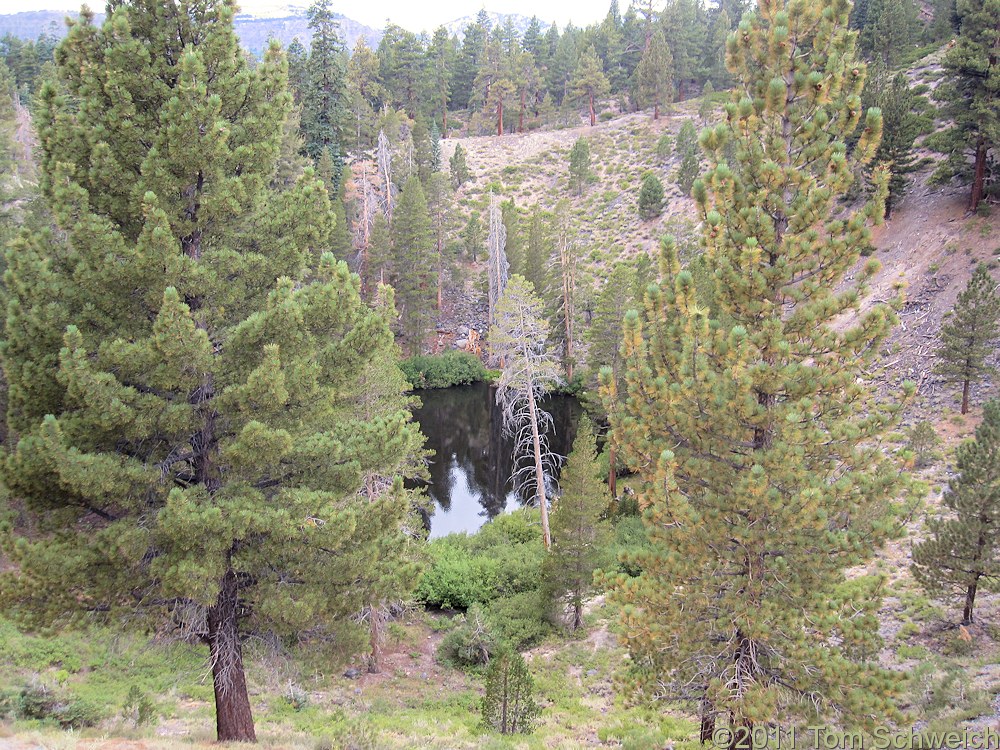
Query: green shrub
{"points": [[443, 370], [664, 146], [471, 643], [40, 703], [630, 537], [138, 707], [503, 559], [605, 116], [650, 196], [520, 619]]}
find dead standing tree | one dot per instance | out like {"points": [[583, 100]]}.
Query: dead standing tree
{"points": [[499, 268], [518, 337], [383, 154]]}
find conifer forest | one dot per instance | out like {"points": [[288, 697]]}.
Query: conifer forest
{"points": [[507, 384]]}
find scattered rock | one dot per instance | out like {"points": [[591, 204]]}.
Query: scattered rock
{"points": [[352, 673]]}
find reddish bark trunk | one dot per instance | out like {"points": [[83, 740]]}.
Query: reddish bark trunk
{"points": [[499, 118], [965, 396], [656, 111], [593, 117], [970, 601], [520, 117], [233, 718]]}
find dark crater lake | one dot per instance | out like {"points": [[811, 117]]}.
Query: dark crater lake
{"points": [[472, 461]]}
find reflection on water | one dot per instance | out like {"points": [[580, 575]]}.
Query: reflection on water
{"points": [[472, 463]]}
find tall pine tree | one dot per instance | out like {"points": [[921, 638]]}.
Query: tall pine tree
{"points": [[961, 553], [413, 264], [184, 363], [754, 434], [971, 94], [655, 73], [969, 333], [579, 536]]}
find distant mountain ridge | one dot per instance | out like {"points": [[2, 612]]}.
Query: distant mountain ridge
{"points": [[458, 26], [281, 21], [254, 31]]}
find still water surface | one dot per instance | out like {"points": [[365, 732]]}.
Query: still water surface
{"points": [[472, 462]]}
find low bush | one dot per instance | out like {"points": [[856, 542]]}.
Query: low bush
{"points": [[40, 703], [443, 370], [503, 559], [472, 642], [520, 620]]}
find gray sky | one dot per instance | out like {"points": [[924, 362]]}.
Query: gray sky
{"points": [[416, 15]]}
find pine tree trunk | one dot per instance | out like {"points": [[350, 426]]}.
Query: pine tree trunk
{"points": [[445, 118], [656, 111], [707, 733], [539, 474], [500, 118], [577, 614], [233, 719], [375, 623], [520, 118], [593, 117], [978, 177], [965, 396], [612, 478], [970, 601]]}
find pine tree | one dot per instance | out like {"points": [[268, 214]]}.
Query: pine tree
{"points": [[440, 66], [518, 338], [715, 51], [617, 297], [961, 553], [685, 26], [472, 236], [706, 106], [655, 73], [650, 197], [511, 217], [538, 251], [184, 361], [568, 264], [423, 150], [468, 61], [413, 263], [324, 98], [459, 168], [579, 165], [887, 32], [440, 199], [689, 152], [435, 148], [509, 706], [970, 96], [754, 433], [494, 84], [400, 55], [579, 536], [365, 94], [341, 237], [969, 333], [527, 84], [901, 125], [589, 82]]}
